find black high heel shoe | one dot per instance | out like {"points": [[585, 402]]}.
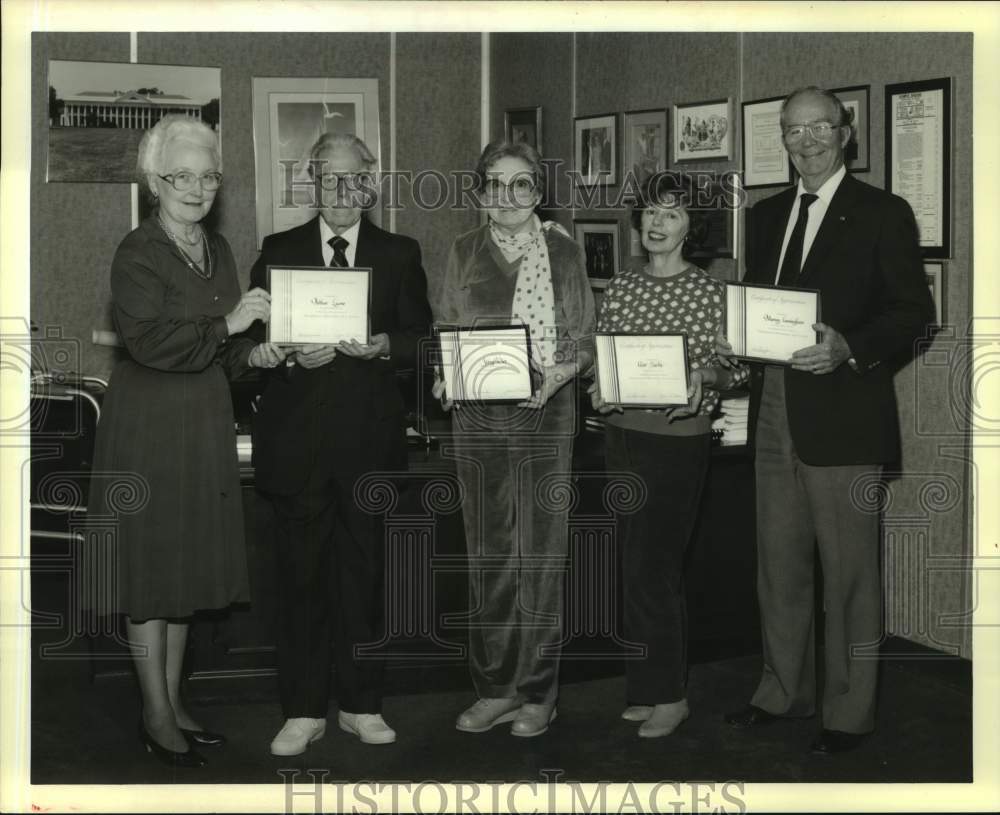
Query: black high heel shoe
{"points": [[204, 737], [169, 757]]}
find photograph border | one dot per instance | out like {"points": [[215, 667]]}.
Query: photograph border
{"points": [[632, 117], [711, 103], [861, 130], [611, 227], [510, 117], [579, 125]]}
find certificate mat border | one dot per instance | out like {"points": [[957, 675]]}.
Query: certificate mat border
{"points": [[725, 314], [747, 185], [439, 327], [687, 365], [942, 250], [366, 270]]}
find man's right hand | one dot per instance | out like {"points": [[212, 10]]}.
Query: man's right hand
{"points": [[597, 401], [312, 355]]}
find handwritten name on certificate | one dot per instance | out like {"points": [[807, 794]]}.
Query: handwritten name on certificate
{"points": [[642, 370], [318, 305], [486, 365], [769, 324]]}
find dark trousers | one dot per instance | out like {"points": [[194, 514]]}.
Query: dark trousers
{"points": [[801, 507], [514, 467], [315, 607], [653, 541]]}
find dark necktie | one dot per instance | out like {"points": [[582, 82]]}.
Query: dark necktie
{"points": [[792, 264], [339, 243]]}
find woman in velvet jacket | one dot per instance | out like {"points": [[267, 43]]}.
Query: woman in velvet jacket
{"points": [[511, 459]]}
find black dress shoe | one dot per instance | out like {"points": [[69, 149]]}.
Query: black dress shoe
{"points": [[750, 716], [204, 737], [836, 741], [171, 758]]}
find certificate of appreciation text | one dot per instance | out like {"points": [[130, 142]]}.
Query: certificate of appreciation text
{"points": [[315, 304], [768, 323], [642, 370], [485, 364]]}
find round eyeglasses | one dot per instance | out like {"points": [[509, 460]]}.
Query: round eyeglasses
{"points": [[183, 181], [520, 189], [347, 181], [821, 131]]}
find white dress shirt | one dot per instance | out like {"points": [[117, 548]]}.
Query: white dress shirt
{"points": [[816, 213], [350, 235]]}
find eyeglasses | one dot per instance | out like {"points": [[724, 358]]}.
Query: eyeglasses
{"points": [[520, 189], [821, 131], [348, 181], [184, 181]]}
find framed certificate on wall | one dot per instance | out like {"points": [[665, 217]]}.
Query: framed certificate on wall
{"points": [[918, 157]]}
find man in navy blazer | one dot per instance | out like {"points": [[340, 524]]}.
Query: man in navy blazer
{"points": [[322, 423], [827, 424]]}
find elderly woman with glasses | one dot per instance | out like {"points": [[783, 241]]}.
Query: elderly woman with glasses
{"points": [[512, 459], [167, 423]]}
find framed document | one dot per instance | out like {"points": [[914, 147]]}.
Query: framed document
{"points": [[643, 370], [918, 157], [770, 323], [765, 159], [316, 304], [485, 363]]}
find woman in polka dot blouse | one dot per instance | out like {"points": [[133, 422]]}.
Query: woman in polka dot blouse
{"points": [[668, 450], [513, 461]]}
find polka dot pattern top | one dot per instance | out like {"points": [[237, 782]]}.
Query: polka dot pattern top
{"points": [[692, 303]]}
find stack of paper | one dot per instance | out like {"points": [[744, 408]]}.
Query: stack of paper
{"points": [[731, 425]]}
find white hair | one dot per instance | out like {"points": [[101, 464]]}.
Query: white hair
{"points": [[171, 128]]}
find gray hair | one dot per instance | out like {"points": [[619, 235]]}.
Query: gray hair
{"points": [[171, 128], [494, 151], [334, 141]]}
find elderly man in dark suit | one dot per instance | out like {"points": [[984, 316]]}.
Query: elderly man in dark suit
{"points": [[827, 421], [323, 422]]}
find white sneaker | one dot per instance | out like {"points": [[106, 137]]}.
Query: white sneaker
{"points": [[486, 713], [637, 713], [369, 727], [296, 735]]}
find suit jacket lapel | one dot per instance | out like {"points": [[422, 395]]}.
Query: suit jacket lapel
{"points": [[771, 236], [312, 249], [832, 231]]}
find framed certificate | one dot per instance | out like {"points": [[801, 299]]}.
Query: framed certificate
{"points": [[643, 370], [770, 323], [918, 157], [316, 304], [765, 159], [485, 363]]}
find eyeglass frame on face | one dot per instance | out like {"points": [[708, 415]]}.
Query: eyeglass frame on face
{"points": [[352, 182], [171, 179], [510, 189], [808, 128]]}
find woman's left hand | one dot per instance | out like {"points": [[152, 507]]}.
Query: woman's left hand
{"points": [[694, 398], [553, 378]]}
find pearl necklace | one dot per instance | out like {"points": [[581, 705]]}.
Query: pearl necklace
{"points": [[205, 274]]}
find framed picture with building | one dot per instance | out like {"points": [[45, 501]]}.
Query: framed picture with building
{"points": [[99, 111], [289, 115]]}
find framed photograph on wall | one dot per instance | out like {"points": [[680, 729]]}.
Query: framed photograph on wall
{"points": [[595, 149], [599, 239], [856, 100], [702, 131], [721, 206], [645, 144], [765, 159], [289, 115], [524, 124], [934, 272], [918, 157], [98, 113]]}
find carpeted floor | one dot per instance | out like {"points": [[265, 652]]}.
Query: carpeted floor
{"points": [[84, 732]]}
